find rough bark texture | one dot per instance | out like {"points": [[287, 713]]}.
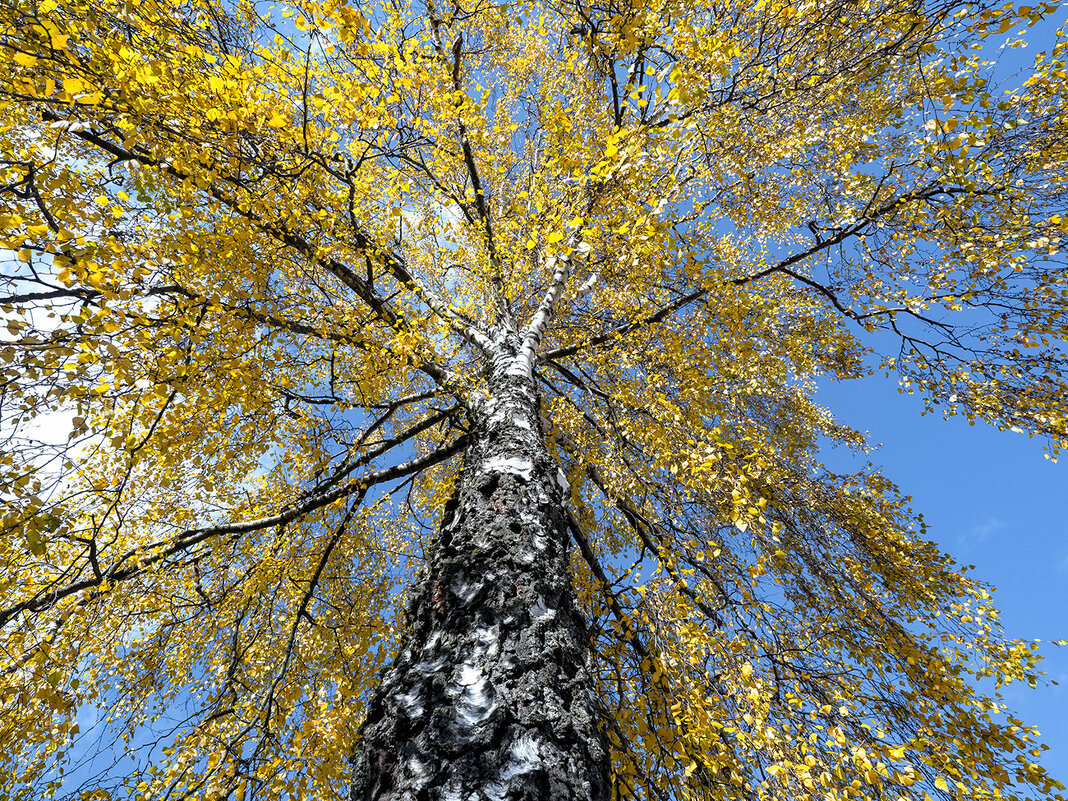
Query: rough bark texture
{"points": [[490, 697]]}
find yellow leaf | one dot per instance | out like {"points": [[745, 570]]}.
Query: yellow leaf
{"points": [[940, 783]]}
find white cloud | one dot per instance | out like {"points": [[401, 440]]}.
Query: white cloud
{"points": [[979, 533]]}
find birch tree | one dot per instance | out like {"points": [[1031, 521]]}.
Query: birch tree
{"points": [[437, 391]]}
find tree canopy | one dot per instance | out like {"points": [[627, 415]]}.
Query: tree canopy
{"points": [[258, 256]]}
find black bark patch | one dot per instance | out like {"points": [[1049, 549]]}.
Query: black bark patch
{"points": [[489, 486]]}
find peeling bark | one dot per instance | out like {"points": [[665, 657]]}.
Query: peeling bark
{"points": [[490, 697]]}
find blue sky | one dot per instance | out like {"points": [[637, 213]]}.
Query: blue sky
{"points": [[991, 499]]}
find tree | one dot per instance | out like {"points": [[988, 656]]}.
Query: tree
{"points": [[440, 383]]}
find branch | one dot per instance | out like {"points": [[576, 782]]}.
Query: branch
{"points": [[302, 609], [783, 267], [154, 553], [621, 331], [496, 280], [590, 557], [382, 307], [533, 334]]}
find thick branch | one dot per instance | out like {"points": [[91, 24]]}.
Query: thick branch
{"points": [[150, 555], [783, 267]]}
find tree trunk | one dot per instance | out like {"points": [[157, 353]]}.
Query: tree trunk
{"points": [[490, 697]]}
